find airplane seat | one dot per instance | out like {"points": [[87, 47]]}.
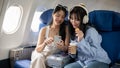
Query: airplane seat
{"points": [[20, 57], [22, 64], [108, 25], [17, 61]]}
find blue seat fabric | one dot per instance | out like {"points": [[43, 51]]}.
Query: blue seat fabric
{"points": [[108, 25]]}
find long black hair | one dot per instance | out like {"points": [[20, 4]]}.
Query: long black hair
{"points": [[80, 13], [62, 30]]}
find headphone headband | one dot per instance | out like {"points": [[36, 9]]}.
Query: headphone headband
{"points": [[85, 18]]}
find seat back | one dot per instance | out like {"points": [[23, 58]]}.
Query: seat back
{"points": [[108, 25]]}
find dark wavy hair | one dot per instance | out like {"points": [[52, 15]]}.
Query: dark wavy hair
{"points": [[80, 13], [62, 31]]}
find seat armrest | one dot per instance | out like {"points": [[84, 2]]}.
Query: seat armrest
{"points": [[21, 53]]}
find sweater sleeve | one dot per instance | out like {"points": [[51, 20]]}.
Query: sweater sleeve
{"points": [[89, 45]]}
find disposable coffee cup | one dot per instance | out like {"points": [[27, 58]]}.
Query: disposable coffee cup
{"points": [[73, 48]]}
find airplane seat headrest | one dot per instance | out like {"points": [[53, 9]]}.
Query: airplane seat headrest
{"points": [[46, 16], [105, 20]]}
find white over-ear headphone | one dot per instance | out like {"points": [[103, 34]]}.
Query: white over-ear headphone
{"points": [[85, 18]]}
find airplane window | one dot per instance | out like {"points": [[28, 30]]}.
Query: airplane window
{"points": [[36, 21], [11, 20]]}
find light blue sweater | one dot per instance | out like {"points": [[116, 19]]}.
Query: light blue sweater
{"points": [[89, 48]]}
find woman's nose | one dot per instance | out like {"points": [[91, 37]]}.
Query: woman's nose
{"points": [[60, 18]]}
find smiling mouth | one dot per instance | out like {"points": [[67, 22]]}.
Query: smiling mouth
{"points": [[75, 25]]}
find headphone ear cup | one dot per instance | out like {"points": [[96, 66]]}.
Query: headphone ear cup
{"points": [[85, 19]]}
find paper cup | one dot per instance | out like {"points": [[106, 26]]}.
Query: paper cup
{"points": [[73, 48]]}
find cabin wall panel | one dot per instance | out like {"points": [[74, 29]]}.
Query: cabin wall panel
{"points": [[1, 6], [9, 41]]}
